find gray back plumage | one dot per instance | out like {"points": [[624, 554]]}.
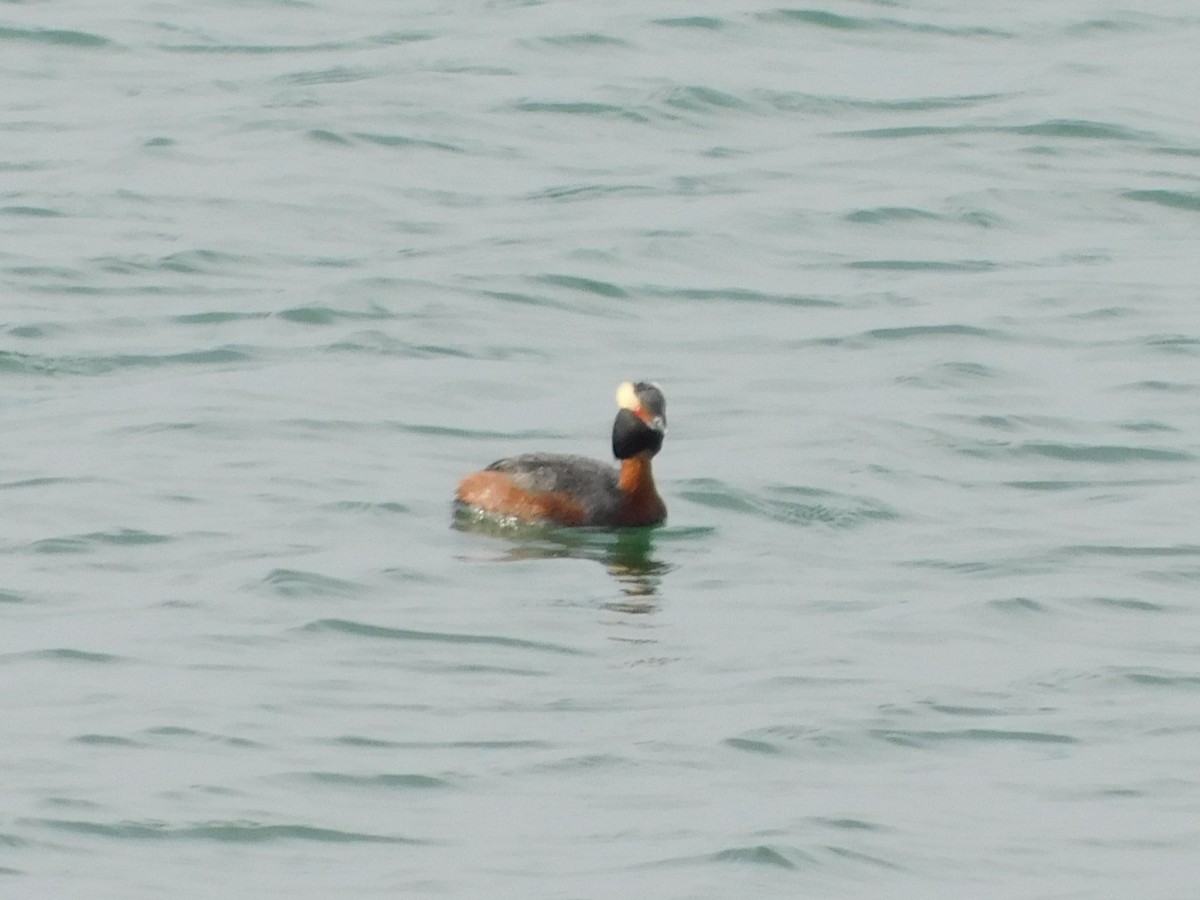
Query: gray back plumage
{"points": [[592, 483]]}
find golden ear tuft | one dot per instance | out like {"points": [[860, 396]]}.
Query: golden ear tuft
{"points": [[627, 397]]}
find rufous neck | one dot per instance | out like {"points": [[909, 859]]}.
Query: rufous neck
{"points": [[636, 476]]}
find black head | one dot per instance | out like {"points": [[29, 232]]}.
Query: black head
{"points": [[641, 420]]}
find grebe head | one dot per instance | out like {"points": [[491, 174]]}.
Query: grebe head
{"points": [[641, 419]]}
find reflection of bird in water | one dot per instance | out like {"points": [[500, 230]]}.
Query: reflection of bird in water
{"points": [[638, 573], [560, 489], [627, 554]]}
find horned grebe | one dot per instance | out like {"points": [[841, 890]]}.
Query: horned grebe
{"points": [[562, 489]]}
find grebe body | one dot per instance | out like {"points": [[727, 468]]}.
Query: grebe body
{"points": [[562, 489]]}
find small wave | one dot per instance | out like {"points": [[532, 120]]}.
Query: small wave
{"points": [[355, 740], [365, 506], [1072, 129], [1174, 343], [590, 191], [1100, 453], [34, 212], [585, 285], [708, 23], [217, 317], [698, 98], [848, 824], [383, 344], [326, 315], [1160, 678], [348, 425], [216, 48], [838, 22], [750, 745], [1161, 387], [298, 583], [526, 299], [121, 537], [34, 332], [923, 265], [397, 38], [186, 262], [65, 654], [363, 629], [239, 832], [888, 215], [955, 373], [400, 781], [825, 104], [335, 75], [55, 36], [817, 507], [985, 568], [1049, 484], [1118, 550], [583, 108], [1018, 605], [105, 740], [956, 709], [927, 738], [880, 214], [325, 136], [584, 40], [774, 740], [1169, 199], [405, 142], [918, 332], [180, 731], [738, 295], [859, 857], [765, 855], [1080, 129], [37, 364], [1127, 604]]}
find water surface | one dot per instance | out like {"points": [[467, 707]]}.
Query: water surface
{"points": [[919, 282]]}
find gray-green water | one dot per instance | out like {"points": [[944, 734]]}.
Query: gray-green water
{"points": [[920, 280]]}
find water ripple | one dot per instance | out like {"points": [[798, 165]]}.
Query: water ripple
{"points": [[362, 629], [927, 738], [34, 364], [838, 22], [238, 832], [1074, 129], [121, 537], [55, 36], [765, 855], [708, 23], [738, 296], [105, 740], [1099, 453], [816, 506], [297, 583], [402, 781], [583, 108], [65, 654], [1169, 199], [1120, 550], [1160, 678]]}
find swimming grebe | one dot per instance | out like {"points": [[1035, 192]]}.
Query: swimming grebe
{"points": [[561, 489]]}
